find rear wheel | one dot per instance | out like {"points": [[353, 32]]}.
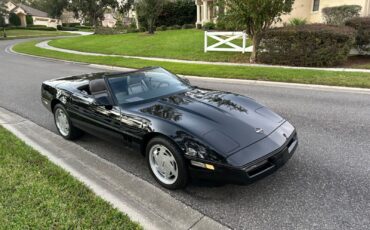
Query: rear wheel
{"points": [[166, 163], [64, 124]]}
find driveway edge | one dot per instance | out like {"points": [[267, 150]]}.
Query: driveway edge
{"points": [[143, 202]]}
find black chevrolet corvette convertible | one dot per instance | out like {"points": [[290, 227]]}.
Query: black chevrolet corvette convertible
{"points": [[182, 130]]}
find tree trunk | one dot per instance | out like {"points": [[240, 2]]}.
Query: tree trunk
{"points": [[256, 42], [150, 26]]}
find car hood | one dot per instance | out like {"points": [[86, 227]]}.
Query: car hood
{"points": [[226, 122]]}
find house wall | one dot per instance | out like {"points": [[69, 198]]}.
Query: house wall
{"points": [[48, 22], [303, 9]]}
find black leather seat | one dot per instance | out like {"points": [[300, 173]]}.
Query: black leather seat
{"points": [[97, 86]]}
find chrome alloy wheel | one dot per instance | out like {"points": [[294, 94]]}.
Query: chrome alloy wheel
{"points": [[61, 121], [163, 164]]}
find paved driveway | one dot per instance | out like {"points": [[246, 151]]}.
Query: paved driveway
{"points": [[326, 185]]}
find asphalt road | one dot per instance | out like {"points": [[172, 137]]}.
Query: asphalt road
{"points": [[326, 185]]}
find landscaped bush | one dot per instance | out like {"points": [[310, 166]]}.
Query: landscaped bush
{"points": [[107, 30], [306, 45], [340, 14], [225, 23], [188, 26], [132, 30], [297, 22], [70, 24], [161, 28], [83, 27], [38, 27], [174, 27], [67, 28], [14, 19], [178, 12], [209, 26], [29, 20], [41, 28], [362, 26]]}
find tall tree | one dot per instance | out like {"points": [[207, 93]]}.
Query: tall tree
{"points": [[93, 10], [149, 10], [3, 14], [53, 7], [256, 16]]}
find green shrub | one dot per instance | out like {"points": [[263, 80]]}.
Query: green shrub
{"points": [[307, 45], [209, 26], [188, 26], [132, 30], [29, 20], [297, 22], [84, 27], [177, 13], [70, 24], [37, 26], [362, 26], [14, 19], [42, 28], [224, 23], [174, 27], [67, 28], [109, 31], [340, 14], [161, 28]]}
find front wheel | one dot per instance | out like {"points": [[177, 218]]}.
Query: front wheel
{"points": [[64, 124], [166, 163]]}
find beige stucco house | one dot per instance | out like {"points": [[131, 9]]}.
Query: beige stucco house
{"points": [[39, 17], [310, 10]]}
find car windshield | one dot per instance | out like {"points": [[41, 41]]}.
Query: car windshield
{"points": [[145, 84]]}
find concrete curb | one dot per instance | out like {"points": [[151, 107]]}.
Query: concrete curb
{"points": [[223, 80], [45, 45], [140, 200]]}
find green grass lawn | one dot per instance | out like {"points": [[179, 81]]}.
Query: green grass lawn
{"points": [[178, 44], [36, 194], [351, 79], [13, 34]]}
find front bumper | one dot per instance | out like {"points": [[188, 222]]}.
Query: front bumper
{"points": [[246, 169]]}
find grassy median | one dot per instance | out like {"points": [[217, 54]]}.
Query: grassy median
{"points": [[177, 44], [36, 194], [349, 79]]}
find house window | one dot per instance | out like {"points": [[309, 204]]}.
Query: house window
{"points": [[316, 5]]}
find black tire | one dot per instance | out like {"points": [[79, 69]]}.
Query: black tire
{"points": [[183, 177], [74, 132]]}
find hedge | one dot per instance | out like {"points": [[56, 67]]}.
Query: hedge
{"points": [[338, 15], [306, 45], [177, 13], [61, 28], [110, 31], [362, 26], [42, 28]]}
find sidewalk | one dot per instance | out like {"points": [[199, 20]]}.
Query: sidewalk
{"points": [[45, 45]]}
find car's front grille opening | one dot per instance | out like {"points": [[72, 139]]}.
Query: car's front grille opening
{"points": [[260, 168]]}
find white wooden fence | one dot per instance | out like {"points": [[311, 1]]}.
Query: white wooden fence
{"points": [[225, 38]]}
